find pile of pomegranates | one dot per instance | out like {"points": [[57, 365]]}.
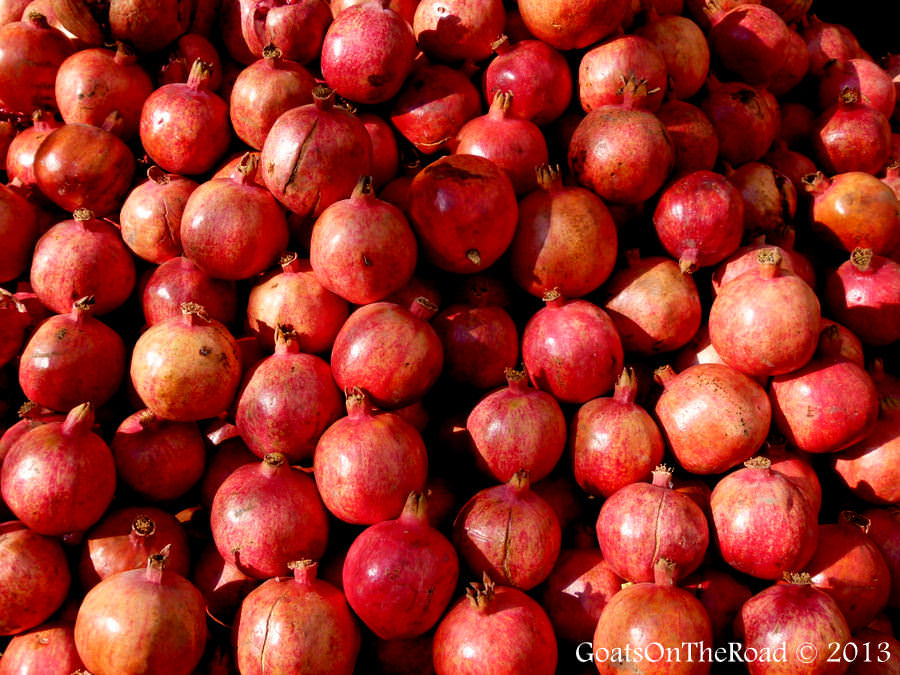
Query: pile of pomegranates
{"points": [[400, 337]]}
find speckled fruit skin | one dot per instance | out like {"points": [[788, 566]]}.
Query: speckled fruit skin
{"points": [[828, 404], [464, 211], [286, 402], [634, 167], [613, 441], [389, 352], [34, 575], [317, 632], [649, 616], [49, 648], [810, 618], [712, 416], [509, 533], [450, 31], [186, 368], [572, 24], [765, 322], [80, 257], [368, 462], [517, 427], [643, 522], [265, 515], [505, 632], [399, 575], [367, 53], [762, 523], [19, 230], [572, 350], [654, 305], [576, 592], [871, 467], [179, 280]]}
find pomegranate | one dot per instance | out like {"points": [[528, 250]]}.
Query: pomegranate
{"points": [[684, 49], [20, 156], [576, 592], [184, 127], [294, 296], [72, 358], [827, 42], [745, 118], [509, 532], [849, 566], [31, 52], [851, 136], [263, 91], [862, 294], [287, 401], [179, 280], [571, 349], [517, 427], [750, 40], [794, 68], [85, 166], [621, 152], [854, 209], [721, 595], [557, 223], [385, 150], [605, 71], [883, 531], [642, 523], [149, 26], [318, 632], [231, 227], [123, 540], [654, 305], [91, 83], [868, 468], [797, 466], [572, 24], [613, 441], [410, 354], [229, 453], [874, 85], [766, 321], [536, 76], [514, 144], [463, 210], [744, 259], [34, 576], [495, 628], [458, 30], [712, 416], [158, 459], [266, 514], [31, 415], [223, 585], [186, 368], [296, 28], [652, 616], [367, 52], [48, 648], [16, 323], [399, 575], [186, 50], [828, 404], [314, 154], [794, 616], [367, 463], [80, 476], [770, 198], [362, 248], [699, 219], [693, 136], [762, 523], [149, 620], [150, 217]]}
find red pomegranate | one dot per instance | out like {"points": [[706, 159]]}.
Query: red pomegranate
{"points": [[450, 31], [179, 280], [572, 24]]}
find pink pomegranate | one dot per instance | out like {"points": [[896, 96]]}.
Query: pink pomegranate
{"points": [[265, 515], [684, 49], [605, 70], [763, 525], [570, 24], [613, 441], [508, 532], [642, 523], [449, 31], [750, 40], [770, 198], [179, 280], [517, 427], [296, 28], [571, 349], [367, 463], [47, 648], [869, 468], [744, 116], [851, 136]]}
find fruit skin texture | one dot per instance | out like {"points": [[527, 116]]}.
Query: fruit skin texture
{"points": [[572, 24], [495, 629], [399, 575], [712, 416], [317, 633], [871, 467], [34, 575], [186, 368], [766, 321], [47, 648], [763, 524], [464, 211], [571, 349]]}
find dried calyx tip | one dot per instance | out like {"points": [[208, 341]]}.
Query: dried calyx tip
{"points": [[799, 578], [758, 462], [194, 309], [480, 594]]}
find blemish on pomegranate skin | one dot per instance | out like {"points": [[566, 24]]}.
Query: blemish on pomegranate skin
{"points": [[205, 351]]}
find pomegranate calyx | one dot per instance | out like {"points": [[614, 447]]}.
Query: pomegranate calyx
{"points": [[481, 595], [143, 526], [520, 480], [416, 508], [861, 258], [798, 578], [662, 476], [304, 570], [664, 572], [758, 462], [79, 419]]}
